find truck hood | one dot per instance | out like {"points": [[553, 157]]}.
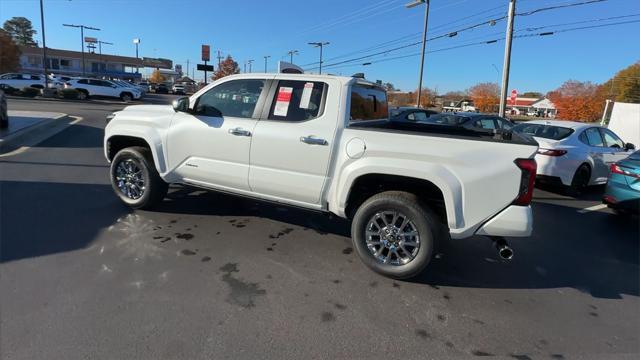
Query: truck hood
{"points": [[150, 109]]}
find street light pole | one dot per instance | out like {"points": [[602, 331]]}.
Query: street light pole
{"points": [[265, 62], [291, 53], [137, 41], [424, 41], [82, 27], [320, 45], [44, 48], [100, 42], [507, 58], [250, 62]]}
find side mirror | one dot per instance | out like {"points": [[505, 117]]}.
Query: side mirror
{"points": [[629, 146], [181, 104]]}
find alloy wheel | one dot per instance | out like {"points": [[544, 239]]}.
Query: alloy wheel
{"points": [[392, 238]]}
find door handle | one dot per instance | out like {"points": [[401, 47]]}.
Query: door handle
{"points": [[239, 132], [313, 140]]}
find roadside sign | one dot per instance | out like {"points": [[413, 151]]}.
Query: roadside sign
{"points": [[206, 52], [88, 39], [514, 95], [203, 67]]}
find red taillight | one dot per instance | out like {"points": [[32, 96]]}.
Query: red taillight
{"points": [[551, 152], [617, 169], [528, 168]]}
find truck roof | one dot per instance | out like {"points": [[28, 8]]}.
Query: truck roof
{"points": [[343, 79]]}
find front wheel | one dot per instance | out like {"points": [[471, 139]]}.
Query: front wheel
{"points": [[135, 180], [126, 97], [394, 234]]}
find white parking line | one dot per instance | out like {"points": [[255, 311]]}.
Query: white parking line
{"points": [[43, 137], [593, 208]]}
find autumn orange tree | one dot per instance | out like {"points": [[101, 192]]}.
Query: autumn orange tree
{"points": [[624, 86], [427, 98], [485, 96], [157, 77], [227, 67], [579, 101], [10, 54]]}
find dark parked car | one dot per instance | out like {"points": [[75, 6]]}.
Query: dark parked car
{"points": [[4, 117], [473, 121], [162, 89], [409, 113]]}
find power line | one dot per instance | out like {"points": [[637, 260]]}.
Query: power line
{"points": [[334, 66], [578, 22], [527, 13]]}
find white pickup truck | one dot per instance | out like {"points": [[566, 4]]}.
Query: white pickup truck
{"points": [[325, 143]]}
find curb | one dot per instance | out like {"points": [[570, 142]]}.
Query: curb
{"points": [[34, 134], [108, 102]]}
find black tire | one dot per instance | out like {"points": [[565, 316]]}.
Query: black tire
{"points": [[155, 189], [425, 221], [580, 180], [126, 97], [83, 94]]}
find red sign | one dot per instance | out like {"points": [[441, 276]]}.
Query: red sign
{"points": [[514, 95], [206, 53]]}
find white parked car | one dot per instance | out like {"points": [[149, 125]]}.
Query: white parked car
{"points": [[574, 154], [19, 81], [129, 85], [325, 143], [178, 89], [96, 87]]}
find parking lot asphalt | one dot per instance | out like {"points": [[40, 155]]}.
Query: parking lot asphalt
{"points": [[212, 276]]}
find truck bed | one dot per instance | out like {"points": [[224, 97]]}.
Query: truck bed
{"points": [[443, 131]]}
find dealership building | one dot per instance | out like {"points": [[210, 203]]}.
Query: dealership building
{"points": [[69, 63]]}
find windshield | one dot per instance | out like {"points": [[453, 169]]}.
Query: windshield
{"points": [[543, 131]]}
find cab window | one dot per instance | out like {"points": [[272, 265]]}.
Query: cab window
{"points": [[235, 98], [368, 103], [297, 100]]}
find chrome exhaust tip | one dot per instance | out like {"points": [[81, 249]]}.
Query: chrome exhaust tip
{"points": [[504, 250]]}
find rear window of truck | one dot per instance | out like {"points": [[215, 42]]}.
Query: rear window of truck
{"points": [[368, 103]]}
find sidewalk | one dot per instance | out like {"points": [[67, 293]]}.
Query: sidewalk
{"points": [[28, 126]]}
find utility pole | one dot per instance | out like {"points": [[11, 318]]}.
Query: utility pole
{"points": [[250, 62], [265, 62], [291, 53], [187, 67], [100, 42], [507, 58], [320, 45], [424, 42], [82, 27], [44, 48], [219, 59], [245, 67]]}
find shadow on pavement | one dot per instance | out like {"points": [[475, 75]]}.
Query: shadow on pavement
{"points": [[188, 200], [596, 253], [592, 193], [40, 218], [76, 136]]}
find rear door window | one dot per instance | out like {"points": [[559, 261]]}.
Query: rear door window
{"points": [[594, 138], [297, 100], [487, 123], [417, 116], [368, 103]]}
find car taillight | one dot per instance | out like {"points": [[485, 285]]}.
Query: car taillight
{"points": [[551, 152], [617, 169], [528, 168]]}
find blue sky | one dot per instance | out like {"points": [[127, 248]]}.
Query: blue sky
{"points": [[250, 29]]}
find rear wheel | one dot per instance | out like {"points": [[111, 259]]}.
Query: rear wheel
{"points": [[126, 97], [83, 94], [394, 234], [580, 180], [135, 179]]}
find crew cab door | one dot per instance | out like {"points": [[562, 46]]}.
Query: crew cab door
{"points": [[210, 144], [293, 140]]}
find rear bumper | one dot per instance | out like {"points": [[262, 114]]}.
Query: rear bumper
{"points": [[514, 221]]}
